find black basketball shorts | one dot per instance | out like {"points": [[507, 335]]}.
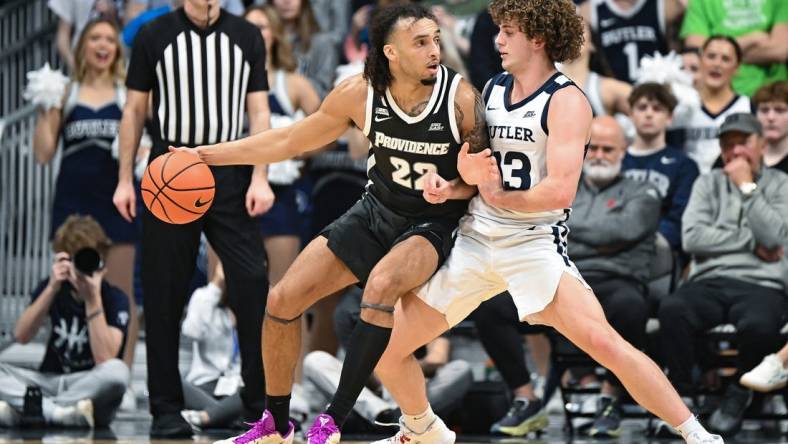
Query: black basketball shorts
{"points": [[369, 230]]}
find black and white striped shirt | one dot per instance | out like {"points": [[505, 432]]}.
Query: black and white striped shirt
{"points": [[199, 77]]}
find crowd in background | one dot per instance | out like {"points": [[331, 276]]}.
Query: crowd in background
{"points": [[687, 164]]}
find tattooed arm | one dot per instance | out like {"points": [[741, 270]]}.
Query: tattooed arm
{"points": [[469, 112], [474, 162]]}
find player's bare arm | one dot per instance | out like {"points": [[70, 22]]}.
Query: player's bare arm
{"points": [[474, 154], [565, 147], [343, 107], [469, 115]]}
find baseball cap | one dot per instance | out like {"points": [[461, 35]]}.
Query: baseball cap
{"points": [[741, 122]]}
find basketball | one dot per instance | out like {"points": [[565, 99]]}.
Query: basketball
{"points": [[178, 187]]}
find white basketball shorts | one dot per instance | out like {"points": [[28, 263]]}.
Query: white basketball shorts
{"points": [[529, 264]]}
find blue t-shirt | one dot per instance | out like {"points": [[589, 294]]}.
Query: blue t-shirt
{"points": [[672, 172], [68, 347]]}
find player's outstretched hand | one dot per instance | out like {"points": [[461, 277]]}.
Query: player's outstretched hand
{"points": [[474, 167], [436, 188]]}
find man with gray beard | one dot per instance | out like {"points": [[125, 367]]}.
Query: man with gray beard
{"points": [[613, 232]]}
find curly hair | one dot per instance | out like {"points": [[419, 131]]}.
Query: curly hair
{"points": [[376, 67], [78, 232], [555, 21]]}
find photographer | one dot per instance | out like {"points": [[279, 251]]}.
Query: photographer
{"points": [[81, 379]]}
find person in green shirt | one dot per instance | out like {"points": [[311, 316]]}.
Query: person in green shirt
{"points": [[759, 26]]}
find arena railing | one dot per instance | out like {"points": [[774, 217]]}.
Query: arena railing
{"points": [[27, 40], [26, 190]]}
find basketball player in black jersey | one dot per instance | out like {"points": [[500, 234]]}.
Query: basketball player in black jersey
{"points": [[416, 113]]}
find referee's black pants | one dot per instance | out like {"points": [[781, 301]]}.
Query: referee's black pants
{"points": [[758, 313], [169, 254]]}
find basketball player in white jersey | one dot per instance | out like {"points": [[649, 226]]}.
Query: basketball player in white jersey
{"points": [[513, 236]]}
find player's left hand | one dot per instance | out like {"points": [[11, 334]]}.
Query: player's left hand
{"points": [[259, 197], [436, 188]]}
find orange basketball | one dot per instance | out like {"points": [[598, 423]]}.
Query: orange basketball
{"points": [[178, 187]]}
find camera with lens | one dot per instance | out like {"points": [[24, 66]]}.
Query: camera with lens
{"points": [[87, 261]]}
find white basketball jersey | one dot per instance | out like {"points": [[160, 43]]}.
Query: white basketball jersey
{"points": [[703, 144], [518, 138]]}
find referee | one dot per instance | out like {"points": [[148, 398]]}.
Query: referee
{"points": [[204, 67]]}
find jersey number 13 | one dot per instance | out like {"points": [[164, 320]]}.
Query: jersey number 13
{"points": [[515, 168]]}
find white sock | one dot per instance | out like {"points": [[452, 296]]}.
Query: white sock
{"points": [[419, 423], [690, 426]]}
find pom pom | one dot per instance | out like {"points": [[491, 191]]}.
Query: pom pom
{"points": [[45, 87], [662, 69], [668, 71]]}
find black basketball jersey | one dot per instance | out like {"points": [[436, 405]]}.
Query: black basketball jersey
{"points": [[404, 149], [625, 37]]}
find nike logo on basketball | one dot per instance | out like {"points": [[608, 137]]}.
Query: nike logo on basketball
{"points": [[198, 203], [490, 108], [664, 160], [381, 119], [607, 22]]}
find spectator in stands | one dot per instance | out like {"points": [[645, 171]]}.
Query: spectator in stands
{"points": [[88, 122], [719, 59], [485, 61], [760, 29], [624, 31], [735, 227], [613, 238], [606, 95], [447, 384], [316, 55], [650, 159], [690, 58], [210, 389], [771, 105], [73, 15], [81, 378]]}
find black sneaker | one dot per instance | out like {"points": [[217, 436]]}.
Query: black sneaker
{"points": [[32, 411], [727, 419], [524, 416], [607, 423], [170, 426]]}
